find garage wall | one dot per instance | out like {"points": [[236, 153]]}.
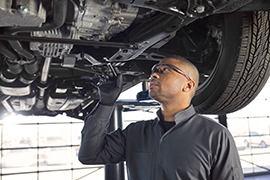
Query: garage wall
{"points": [[42, 148], [251, 129]]}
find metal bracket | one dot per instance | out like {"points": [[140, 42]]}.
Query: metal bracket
{"points": [[129, 54], [189, 8]]}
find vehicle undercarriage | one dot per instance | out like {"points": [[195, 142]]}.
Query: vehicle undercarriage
{"points": [[55, 53]]}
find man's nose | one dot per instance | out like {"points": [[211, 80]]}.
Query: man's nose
{"points": [[154, 75]]}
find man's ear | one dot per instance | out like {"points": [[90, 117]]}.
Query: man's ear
{"points": [[189, 86]]}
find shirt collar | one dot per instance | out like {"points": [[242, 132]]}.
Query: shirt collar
{"points": [[180, 116]]}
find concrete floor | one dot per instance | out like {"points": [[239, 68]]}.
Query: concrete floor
{"points": [[261, 177]]}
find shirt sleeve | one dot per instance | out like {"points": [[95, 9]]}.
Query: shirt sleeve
{"points": [[226, 165], [97, 146]]}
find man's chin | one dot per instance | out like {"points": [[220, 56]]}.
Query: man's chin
{"points": [[153, 95]]}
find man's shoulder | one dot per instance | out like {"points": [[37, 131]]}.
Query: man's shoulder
{"points": [[143, 124], [206, 121], [212, 125]]}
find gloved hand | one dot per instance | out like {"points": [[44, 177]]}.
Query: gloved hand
{"points": [[110, 90]]}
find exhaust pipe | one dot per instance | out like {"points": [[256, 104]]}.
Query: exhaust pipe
{"points": [[59, 17], [9, 74]]}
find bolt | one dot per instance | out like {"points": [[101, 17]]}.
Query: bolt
{"points": [[200, 9], [146, 42], [23, 9]]}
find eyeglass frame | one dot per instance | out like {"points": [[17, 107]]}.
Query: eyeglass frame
{"points": [[176, 69]]}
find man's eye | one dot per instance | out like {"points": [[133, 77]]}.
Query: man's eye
{"points": [[165, 69], [159, 70], [156, 70]]}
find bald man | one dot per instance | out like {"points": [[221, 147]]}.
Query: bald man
{"points": [[179, 144]]}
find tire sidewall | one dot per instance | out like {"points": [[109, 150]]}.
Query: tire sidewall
{"points": [[210, 91]]}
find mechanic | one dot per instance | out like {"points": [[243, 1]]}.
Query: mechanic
{"points": [[179, 144]]}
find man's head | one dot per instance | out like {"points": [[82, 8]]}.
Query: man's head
{"points": [[173, 79]]}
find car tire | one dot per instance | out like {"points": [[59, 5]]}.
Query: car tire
{"points": [[243, 66], [247, 144], [263, 144], [238, 71]]}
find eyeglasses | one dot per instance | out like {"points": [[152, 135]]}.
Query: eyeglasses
{"points": [[160, 68]]}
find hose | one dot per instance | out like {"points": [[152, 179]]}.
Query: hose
{"points": [[59, 17], [14, 68]]}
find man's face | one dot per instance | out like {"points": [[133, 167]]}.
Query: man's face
{"points": [[167, 81]]}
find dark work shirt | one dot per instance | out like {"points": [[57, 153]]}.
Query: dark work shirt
{"points": [[166, 125], [195, 148]]}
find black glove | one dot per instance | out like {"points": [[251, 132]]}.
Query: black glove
{"points": [[110, 90]]}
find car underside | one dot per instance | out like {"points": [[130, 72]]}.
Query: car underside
{"points": [[55, 53]]}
